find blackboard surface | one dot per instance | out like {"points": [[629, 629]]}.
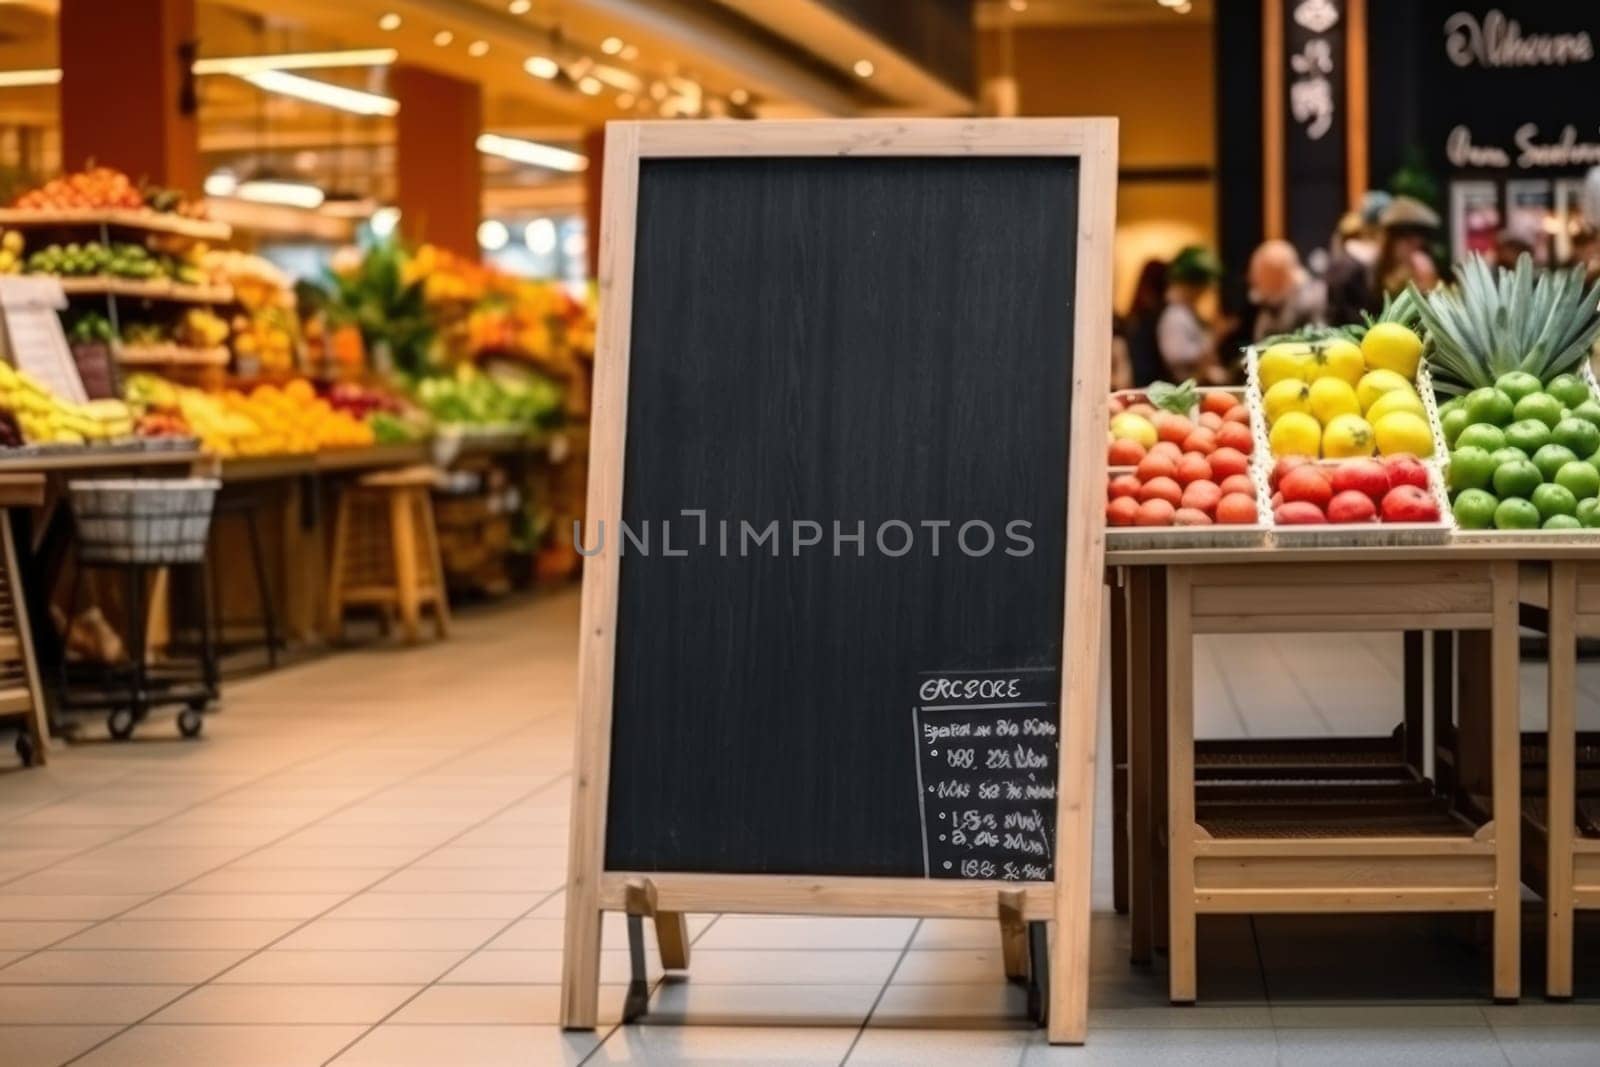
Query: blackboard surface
{"points": [[860, 340]]}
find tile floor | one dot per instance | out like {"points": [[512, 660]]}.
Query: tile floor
{"points": [[362, 864]]}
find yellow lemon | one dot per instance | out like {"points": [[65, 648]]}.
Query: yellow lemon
{"points": [[1331, 397], [1291, 394], [1404, 431], [1129, 426], [1391, 346], [1347, 436], [1297, 433], [1396, 400], [1281, 362], [1375, 383], [1340, 359]]}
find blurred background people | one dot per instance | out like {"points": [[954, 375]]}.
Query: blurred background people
{"points": [[1350, 285], [1284, 294], [1183, 336], [1409, 226], [1138, 326]]}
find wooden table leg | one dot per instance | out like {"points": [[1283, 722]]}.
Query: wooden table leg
{"points": [[1180, 787], [1506, 781], [1444, 711], [1474, 752], [1560, 816], [1411, 735], [1160, 832], [1141, 755], [1117, 583], [672, 938]]}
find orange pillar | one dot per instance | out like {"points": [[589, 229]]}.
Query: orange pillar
{"points": [[594, 147], [127, 97], [437, 171]]}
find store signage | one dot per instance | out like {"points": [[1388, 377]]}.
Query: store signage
{"points": [[1314, 50], [1497, 41], [987, 743], [1527, 152], [834, 726]]}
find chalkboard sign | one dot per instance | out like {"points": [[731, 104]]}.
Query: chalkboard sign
{"points": [[848, 444], [986, 779]]}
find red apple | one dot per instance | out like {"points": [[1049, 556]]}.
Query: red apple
{"points": [[1201, 496], [1407, 503], [1308, 484], [1191, 517], [1405, 469], [1366, 476], [1352, 505], [1299, 513], [1228, 461], [1284, 465]]}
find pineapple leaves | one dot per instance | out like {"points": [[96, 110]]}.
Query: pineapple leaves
{"points": [[1495, 321]]}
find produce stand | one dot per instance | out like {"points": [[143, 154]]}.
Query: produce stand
{"points": [[22, 706]]}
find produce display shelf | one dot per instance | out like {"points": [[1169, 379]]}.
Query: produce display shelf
{"points": [[343, 459], [127, 218], [144, 453], [169, 355], [148, 289]]}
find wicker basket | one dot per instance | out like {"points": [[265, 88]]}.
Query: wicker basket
{"points": [[156, 521]]}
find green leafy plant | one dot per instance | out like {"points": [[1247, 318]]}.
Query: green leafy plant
{"points": [[1179, 399], [388, 310]]}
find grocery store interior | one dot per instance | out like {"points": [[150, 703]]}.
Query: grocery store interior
{"points": [[306, 410]]}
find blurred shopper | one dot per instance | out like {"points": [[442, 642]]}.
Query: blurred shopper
{"points": [[1139, 325], [1182, 334], [1351, 278], [1408, 227], [1511, 243], [1282, 291]]}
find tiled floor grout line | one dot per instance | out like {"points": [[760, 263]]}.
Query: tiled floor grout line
{"points": [[276, 840], [447, 971], [256, 952], [887, 982]]}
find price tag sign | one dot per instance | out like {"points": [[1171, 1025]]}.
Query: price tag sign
{"points": [[987, 749], [34, 340]]}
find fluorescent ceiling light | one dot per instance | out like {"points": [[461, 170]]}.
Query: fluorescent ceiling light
{"points": [[328, 95], [540, 237], [242, 65], [542, 67], [590, 86], [611, 45], [288, 192], [532, 153], [617, 78], [10, 79]]}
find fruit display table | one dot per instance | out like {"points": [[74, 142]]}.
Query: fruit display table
{"points": [[1249, 848]]}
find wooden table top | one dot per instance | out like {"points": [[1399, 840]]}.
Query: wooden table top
{"points": [[1527, 549]]}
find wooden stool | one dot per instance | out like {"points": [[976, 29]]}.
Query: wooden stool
{"points": [[386, 552]]}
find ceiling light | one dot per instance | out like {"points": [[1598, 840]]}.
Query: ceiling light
{"points": [[532, 153], [540, 237], [740, 97], [621, 80], [10, 79], [864, 68], [384, 221], [520, 7], [611, 45], [265, 187], [542, 67], [590, 86], [221, 183], [629, 52], [241, 65], [1019, 5], [324, 93], [388, 21], [658, 90], [1183, 8], [492, 235], [478, 48], [443, 37], [625, 100]]}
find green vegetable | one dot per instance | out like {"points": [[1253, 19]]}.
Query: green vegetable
{"points": [[1178, 399]]}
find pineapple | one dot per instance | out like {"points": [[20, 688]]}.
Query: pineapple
{"points": [[1485, 327]]}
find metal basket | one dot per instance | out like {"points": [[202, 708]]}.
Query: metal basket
{"points": [[139, 520]]}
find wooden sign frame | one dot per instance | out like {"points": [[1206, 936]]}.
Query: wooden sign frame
{"points": [[667, 896]]}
